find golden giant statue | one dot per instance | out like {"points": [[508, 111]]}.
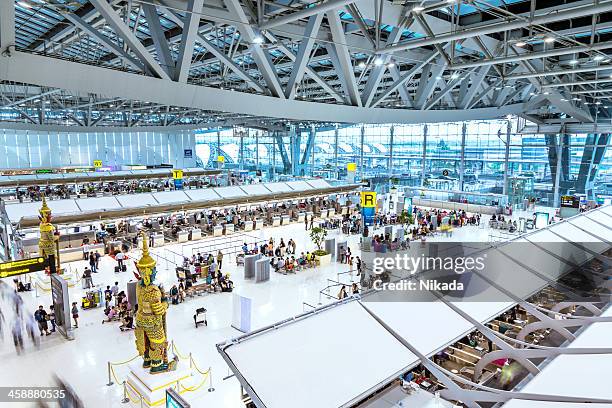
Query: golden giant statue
{"points": [[151, 331], [47, 243]]}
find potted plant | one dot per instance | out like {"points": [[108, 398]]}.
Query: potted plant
{"points": [[317, 235]]}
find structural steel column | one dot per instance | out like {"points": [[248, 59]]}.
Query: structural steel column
{"points": [[424, 155], [7, 24], [507, 158], [336, 152], [273, 172], [462, 157], [556, 197], [312, 152], [361, 152], [218, 144], [241, 153], [391, 134]]}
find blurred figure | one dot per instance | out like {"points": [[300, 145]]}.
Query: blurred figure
{"points": [[41, 317], [17, 333]]}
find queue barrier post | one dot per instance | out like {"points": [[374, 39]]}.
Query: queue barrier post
{"points": [[125, 399], [210, 381], [110, 380]]}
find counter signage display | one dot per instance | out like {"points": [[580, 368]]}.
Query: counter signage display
{"points": [[570, 201], [541, 220], [22, 266], [61, 303], [408, 205], [177, 175], [368, 207]]}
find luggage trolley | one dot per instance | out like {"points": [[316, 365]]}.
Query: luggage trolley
{"points": [[198, 312]]}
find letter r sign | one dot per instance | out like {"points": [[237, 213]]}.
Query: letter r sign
{"points": [[368, 199]]}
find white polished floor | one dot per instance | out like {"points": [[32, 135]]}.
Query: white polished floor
{"points": [[83, 362]]}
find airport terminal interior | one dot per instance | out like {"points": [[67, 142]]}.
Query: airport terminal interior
{"points": [[305, 203]]}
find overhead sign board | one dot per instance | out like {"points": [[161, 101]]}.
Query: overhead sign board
{"points": [[97, 163], [22, 266], [177, 174], [368, 199], [351, 166]]}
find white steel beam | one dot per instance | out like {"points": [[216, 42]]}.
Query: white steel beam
{"points": [[190, 32], [321, 8], [104, 40], [378, 71], [159, 39], [75, 77], [114, 20], [303, 54], [259, 54], [227, 61], [345, 69], [427, 85], [311, 72]]}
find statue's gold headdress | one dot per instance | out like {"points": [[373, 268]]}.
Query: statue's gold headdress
{"points": [[145, 262]]}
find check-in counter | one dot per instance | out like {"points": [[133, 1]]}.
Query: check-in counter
{"points": [[229, 229], [285, 220], [248, 225], [301, 216], [276, 221], [344, 210], [196, 234], [183, 236], [71, 254], [324, 213], [259, 223], [217, 230], [158, 239], [331, 212]]}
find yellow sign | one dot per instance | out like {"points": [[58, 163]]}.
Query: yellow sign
{"points": [[221, 159], [177, 174], [351, 166], [97, 164], [22, 266], [368, 199]]}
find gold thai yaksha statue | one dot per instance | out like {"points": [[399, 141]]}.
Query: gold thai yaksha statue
{"points": [[151, 330], [47, 243]]}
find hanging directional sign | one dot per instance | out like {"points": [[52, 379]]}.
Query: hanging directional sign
{"points": [[22, 266]]}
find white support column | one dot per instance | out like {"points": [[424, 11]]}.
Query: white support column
{"points": [[462, 157], [507, 158], [424, 155], [336, 152], [7, 24], [556, 196], [361, 152], [391, 135]]}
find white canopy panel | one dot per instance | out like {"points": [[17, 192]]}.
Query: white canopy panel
{"points": [[318, 183], [566, 375], [330, 350], [202, 194], [16, 211], [255, 189], [299, 185], [278, 187], [230, 192], [98, 204], [170, 197], [428, 326], [138, 200]]}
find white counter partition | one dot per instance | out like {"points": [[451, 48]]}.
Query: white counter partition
{"points": [[99, 204], [171, 197], [204, 194], [299, 185], [278, 187], [139, 200], [230, 192], [255, 189], [322, 361]]}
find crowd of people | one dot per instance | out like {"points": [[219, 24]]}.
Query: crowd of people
{"points": [[22, 323], [201, 266]]}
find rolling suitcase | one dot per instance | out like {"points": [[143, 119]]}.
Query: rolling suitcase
{"points": [[123, 268], [116, 269]]}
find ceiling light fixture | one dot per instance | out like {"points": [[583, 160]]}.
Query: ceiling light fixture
{"points": [[521, 44], [378, 61], [417, 9], [549, 40], [391, 65], [258, 40], [573, 62], [598, 58], [361, 65], [455, 75]]}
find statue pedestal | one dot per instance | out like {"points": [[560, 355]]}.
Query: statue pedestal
{"points": [[152, 387]]}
